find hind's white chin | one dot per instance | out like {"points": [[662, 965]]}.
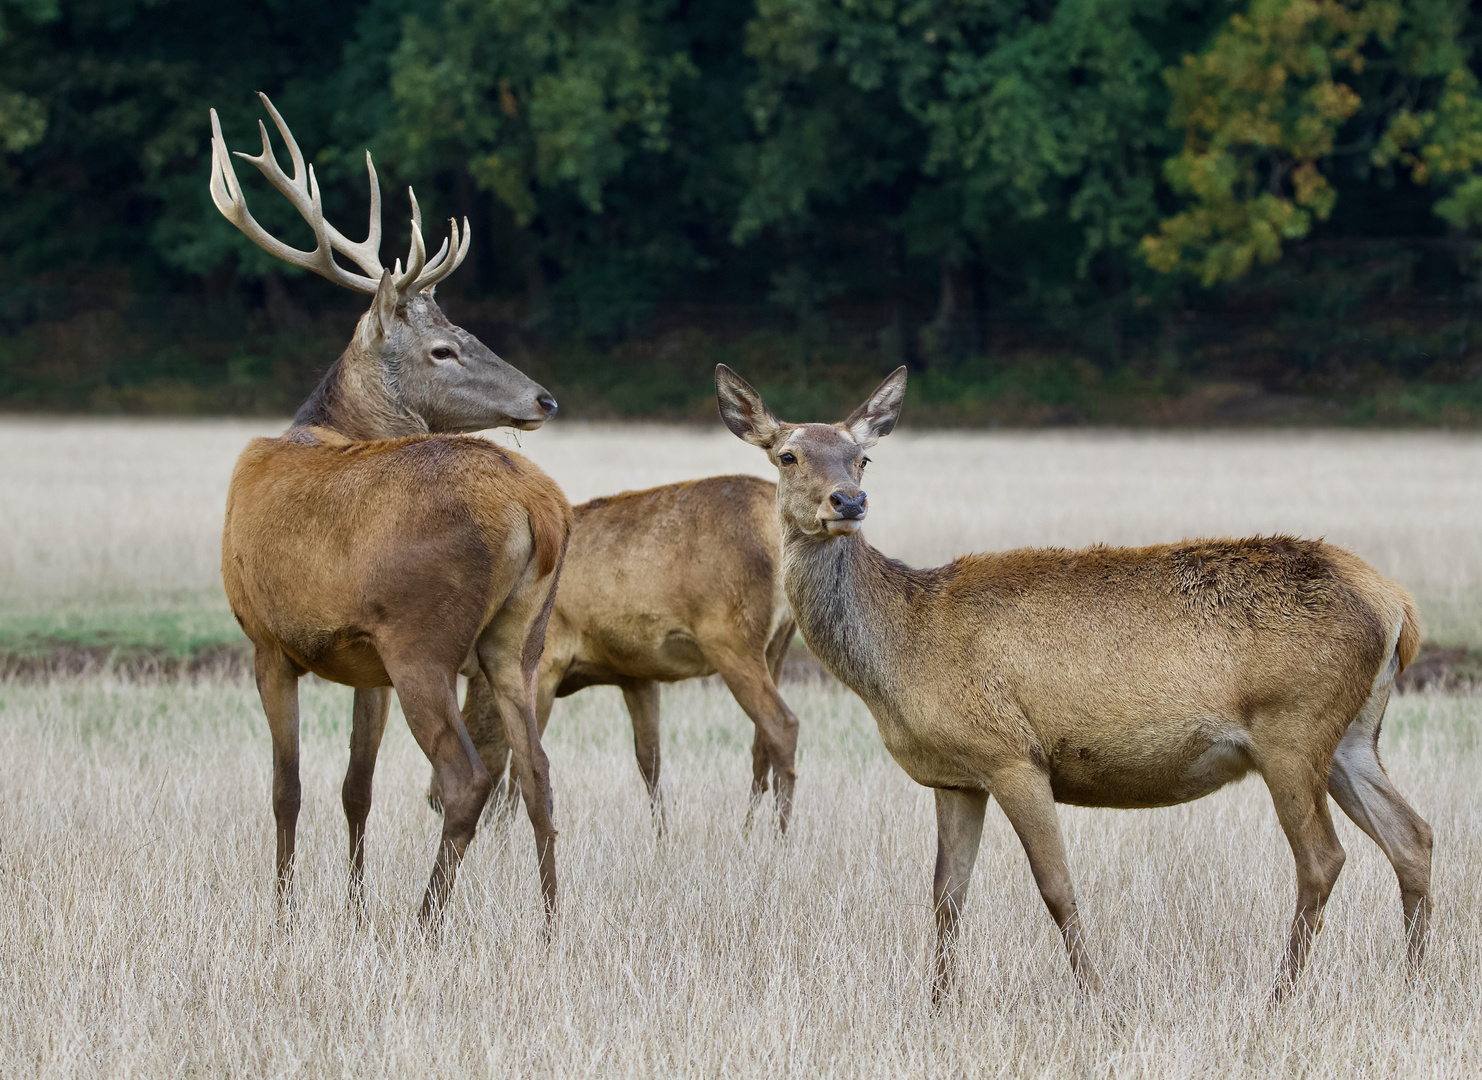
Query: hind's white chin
{"points": [[842, 526]]}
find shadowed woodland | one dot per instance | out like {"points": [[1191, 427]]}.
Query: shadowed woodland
{"points": [[1134, 211]]}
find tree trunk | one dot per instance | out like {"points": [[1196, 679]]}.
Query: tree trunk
{"points": [[948, 338]]}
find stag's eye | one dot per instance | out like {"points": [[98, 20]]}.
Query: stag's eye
{"points": [[442, 352], [787, 458]]}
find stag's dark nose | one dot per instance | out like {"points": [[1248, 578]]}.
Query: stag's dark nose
{"points": [[547, 404], [848, 506]]}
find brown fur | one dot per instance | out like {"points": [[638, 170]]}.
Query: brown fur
{"points": [[393, 562], [670, 583], [1115, 677], [374, 548]]}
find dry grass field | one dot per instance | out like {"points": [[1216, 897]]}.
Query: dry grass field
{"points": [[137, 919], [137, 932]]}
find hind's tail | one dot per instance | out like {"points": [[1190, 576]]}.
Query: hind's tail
{"points": [[1409, 642]]}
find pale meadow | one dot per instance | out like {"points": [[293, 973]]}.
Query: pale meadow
{"points": [[100, 518], [138, 930]]}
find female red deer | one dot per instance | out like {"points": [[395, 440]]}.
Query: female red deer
{"points": [[1119, 677], [661, 585], [366, 549]]}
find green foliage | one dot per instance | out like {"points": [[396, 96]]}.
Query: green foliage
{"points": [[1263, 106], [869, 182]]}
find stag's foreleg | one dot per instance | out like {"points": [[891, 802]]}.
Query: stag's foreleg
{"points": [[959, 832], [1300, 795], [775, 747], [1023, 790], [642, 698], [1359, 784], [277, 686], [367, 726]]}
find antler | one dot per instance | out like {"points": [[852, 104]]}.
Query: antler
{"points": [[302, 190]]}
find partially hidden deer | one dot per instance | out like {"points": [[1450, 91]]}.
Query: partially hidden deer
{"points": [[661, 585], [1110, 677], [375, 548]]}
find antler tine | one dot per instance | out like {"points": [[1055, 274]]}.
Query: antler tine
{"points": [[449, 256], [416, 257], [301, 190], [294, 153], [367, 253]]}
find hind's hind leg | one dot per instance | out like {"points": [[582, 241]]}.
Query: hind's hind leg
{"points": [[1359, 784]]}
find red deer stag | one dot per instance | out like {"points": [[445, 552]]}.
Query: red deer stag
{"points": [[661, 585], [1118, 677], [366, 549]]}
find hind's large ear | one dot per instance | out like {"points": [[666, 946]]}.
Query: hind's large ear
{"points": [[877, 416], [743, 410]]}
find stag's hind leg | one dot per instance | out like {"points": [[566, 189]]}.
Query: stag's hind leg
{"points": [[509, 653], [277, 686], [1300, 795], [366, 728], [430, 701], [1359, 784]]}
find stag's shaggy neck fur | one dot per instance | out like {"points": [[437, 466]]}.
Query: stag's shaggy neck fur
{"points": [[354, 399]]}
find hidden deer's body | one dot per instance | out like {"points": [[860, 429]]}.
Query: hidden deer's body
{"points": [[1116, 677], [661, 585], [364, 546]]}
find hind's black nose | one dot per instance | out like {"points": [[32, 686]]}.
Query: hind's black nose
{"points": [[547, 404], [848, 506]]}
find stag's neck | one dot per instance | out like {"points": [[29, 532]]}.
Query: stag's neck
{"points": [[854, 607], [354, 400]]}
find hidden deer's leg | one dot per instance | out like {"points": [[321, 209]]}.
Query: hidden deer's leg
{"points": [[642, 698], [1300, 796], [1024, 793], [1359, 784], [776, 745], [959, 832], [366, 728], [277, 685], [430, 700], [486, 728], [777, 649]]}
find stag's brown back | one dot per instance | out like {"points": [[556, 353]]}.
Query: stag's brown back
{"points": [[340, 552]]}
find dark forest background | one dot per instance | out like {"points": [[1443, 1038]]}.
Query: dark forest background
{"points": [[1145, 211]]}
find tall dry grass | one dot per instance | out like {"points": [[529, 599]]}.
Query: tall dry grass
{"points": [[128, 513], [138, 933]]}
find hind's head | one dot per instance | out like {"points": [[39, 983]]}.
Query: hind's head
{"points": [[820, 467]]}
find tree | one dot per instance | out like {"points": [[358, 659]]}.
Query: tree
{"points": [[564, 112], [1289, 87]]}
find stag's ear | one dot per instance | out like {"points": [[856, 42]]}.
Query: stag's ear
{"points": [[877, 416], [375, 328], [743, 410]]}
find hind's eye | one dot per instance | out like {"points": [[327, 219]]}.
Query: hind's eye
{"points": [[442, 352], [787, 458], [863, 462]]}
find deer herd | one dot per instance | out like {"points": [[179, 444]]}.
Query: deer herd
{"points": [[378, 545]]}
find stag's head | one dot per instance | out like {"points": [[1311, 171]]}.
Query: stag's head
{"points": [[820, 467], [436, 375]]}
